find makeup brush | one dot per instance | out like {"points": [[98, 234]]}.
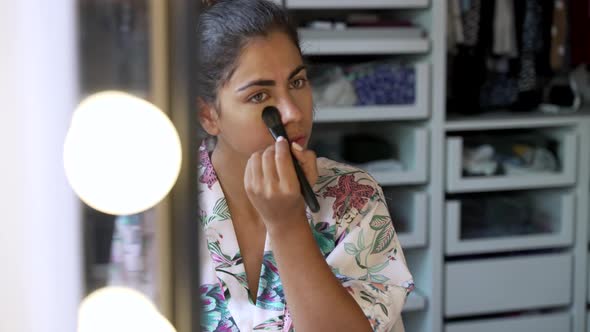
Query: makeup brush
{"points": [[272, 119]]}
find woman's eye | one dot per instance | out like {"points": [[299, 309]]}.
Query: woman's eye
{"points": [[258, 98], [298, 83]]}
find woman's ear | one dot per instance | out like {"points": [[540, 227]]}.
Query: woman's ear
{"points": [[208, 117]]}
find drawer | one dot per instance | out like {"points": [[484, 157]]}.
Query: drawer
{"points": [[410, 146], [409, 212], [364, 41], [566, 175], [507, 284], [510, 221], [555, 322], [420, 109]]}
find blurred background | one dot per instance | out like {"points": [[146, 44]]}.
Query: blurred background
{"points": [[473, 115]]}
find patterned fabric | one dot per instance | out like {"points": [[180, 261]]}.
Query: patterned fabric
{"points": [[532, 42], [384, 84], [471, 18], [353, 230]]}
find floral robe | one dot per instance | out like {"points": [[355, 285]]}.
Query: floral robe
{"points": [[353, 230]]}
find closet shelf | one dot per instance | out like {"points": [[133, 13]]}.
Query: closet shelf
{"points": [[370, 113], [415, 302], [511, 120], [399, 178], [358, 41], [356, 4]]}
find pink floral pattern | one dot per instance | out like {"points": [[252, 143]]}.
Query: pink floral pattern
{"points": [[208, 175], [348, 190]]}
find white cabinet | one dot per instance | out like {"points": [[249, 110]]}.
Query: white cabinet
{"points": [[554, 322], [507, 284], [554, 212]]}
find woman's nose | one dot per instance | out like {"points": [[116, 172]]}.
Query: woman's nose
{"points": [[290, 111]]}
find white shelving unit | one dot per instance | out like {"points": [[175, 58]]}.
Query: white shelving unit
{"points": [[558, 195], [408, 127], [467, 284]]}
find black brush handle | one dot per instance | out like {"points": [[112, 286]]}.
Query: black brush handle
{"points": [[306, 191]]}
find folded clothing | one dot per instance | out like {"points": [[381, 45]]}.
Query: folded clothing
{"points": [[384, 84]]}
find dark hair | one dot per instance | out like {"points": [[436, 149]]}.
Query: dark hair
{"points": [[224, 29]]}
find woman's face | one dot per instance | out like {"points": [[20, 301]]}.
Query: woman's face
{"points": [[269, 71]]}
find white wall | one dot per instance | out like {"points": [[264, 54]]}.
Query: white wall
{"points": [[40, 247]]}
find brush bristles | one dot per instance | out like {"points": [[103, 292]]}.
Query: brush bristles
{"points": [[271, 116]]}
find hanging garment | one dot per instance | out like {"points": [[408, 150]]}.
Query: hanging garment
{"points": [[558, 36], [455, 26], [504, 29], [531, 43], [471, 18], [580, 31]]}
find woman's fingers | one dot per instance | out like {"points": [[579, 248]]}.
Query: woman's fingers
{"points": [[253, 174], [269, 169], [284, 162], [308, 161]]}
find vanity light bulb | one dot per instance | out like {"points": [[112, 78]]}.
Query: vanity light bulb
{"points": [[122, 154], [120, 309]]}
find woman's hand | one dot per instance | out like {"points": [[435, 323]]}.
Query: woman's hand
{"points": [[272, 186]]}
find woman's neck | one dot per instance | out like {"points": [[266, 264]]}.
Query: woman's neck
{"points": [[230, 169]]}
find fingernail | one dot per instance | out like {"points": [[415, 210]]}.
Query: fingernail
{"points": [[280, 139], [297, 146]]}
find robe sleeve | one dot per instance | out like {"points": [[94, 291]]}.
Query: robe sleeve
{"points": [[368, 259]]}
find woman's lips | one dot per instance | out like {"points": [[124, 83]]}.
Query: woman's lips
{"points": [[299, 140]]}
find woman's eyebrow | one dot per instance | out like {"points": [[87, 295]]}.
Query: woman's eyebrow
{"points": [[297, 70], [271, 82], [257, 82]]}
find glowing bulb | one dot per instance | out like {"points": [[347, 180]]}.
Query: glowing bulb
{"points": [[118, 309], [122, 154]]}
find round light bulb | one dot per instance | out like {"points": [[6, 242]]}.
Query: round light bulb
{"points": [[122, 155], [120, 309]]}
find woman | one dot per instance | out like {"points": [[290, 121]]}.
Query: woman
{"points": [[267, 262]]}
